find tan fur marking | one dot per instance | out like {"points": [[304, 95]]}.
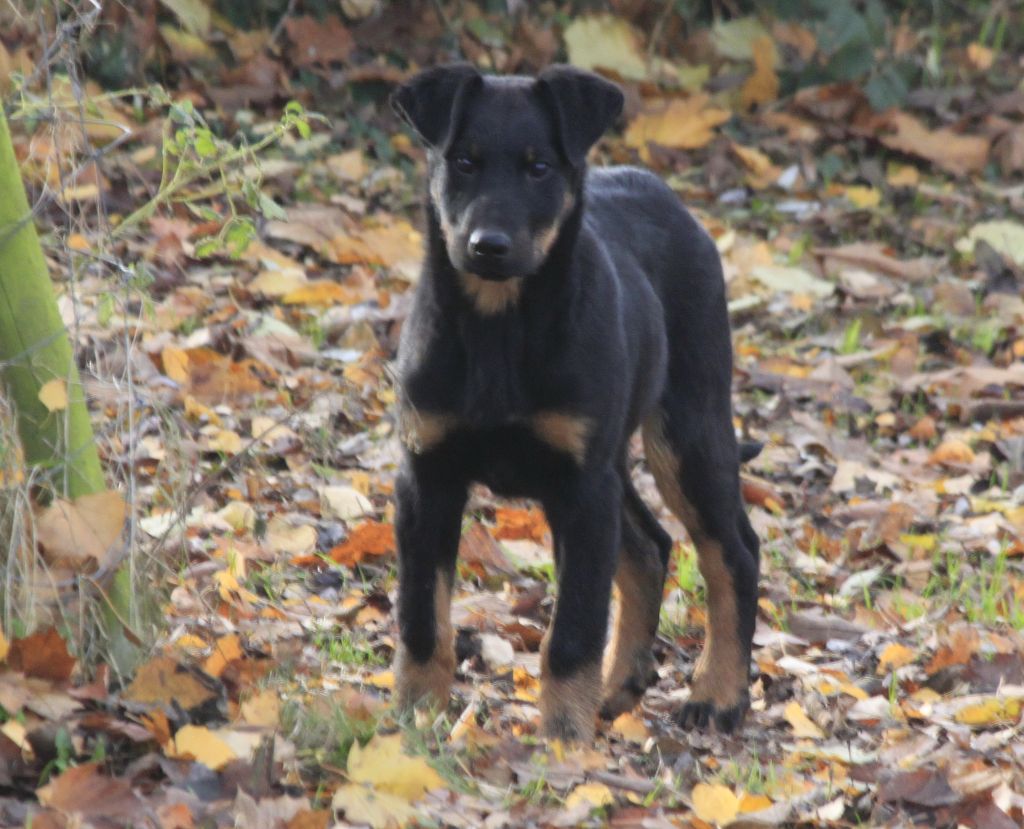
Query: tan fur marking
{"points": [[429, 682], [544, 239], [720, 675], [490, 296], [568, 704], [629, 660], [421, 431], [563, 431]]}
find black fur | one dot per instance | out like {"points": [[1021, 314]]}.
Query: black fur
{"points": [[621, 316]]}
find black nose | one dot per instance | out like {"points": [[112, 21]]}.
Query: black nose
{"points": [[489, 244]]}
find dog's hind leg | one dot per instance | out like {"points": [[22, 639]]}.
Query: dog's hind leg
{"points": [[695, 463], [428, 525], [629, 666]]}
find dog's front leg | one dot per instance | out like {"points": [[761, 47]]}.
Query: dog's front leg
{"points": [[428, 521], [585, 519]]}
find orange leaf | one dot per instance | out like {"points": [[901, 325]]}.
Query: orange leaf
{"points": [[763, 85], [371, 538], [513, 524], [43, 655]]}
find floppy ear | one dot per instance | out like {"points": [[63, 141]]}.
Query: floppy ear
{"points": [[430, 101], [584, 104]]}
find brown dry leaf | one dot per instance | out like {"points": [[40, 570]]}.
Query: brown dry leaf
{"points": [[285, 537], [162, 681], [957, 647], [893, 656], [714, 803], [924, 430], [762, 86], [923, 787], [175, 363], [226, 649], [980, 56], [950, 150], [82, 534], [513, 524], [481, 553], [383, 764], [397, 245], [83, 790], [876, 257], [371, 538], [761, 172], [802, 725], [43, 654], [317, 42], [195, 742], [951, 452], [54, 395], [679, 123]]}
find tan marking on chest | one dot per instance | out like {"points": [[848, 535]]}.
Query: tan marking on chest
{"points": [[564, 432], [421, 431], [490, 296]]}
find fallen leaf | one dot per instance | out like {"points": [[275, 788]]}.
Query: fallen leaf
{"points": [[383, 764], [5, 646], [714, 803], [922, 787], [364, 805], [605, 41], [789, 279], [163, 681], [43, 654], [950, 150], [993, 711], [371, 538], [54, 395], [593, 795], [343, 503], [262, 708], [951, 452], [512, 524], [630, 727], [735, 39], [196, 742], [226, 649], [893, 656], [680, 123], [83, 790], [762, 86], [802, 725], [316, 41], [863, 197], [286, 538], [82, 534], [321, 292], [1005, 236]]}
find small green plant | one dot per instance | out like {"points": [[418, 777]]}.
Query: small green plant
{"points": [[340, 647]]}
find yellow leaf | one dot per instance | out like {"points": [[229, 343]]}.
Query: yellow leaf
{"points": [[527, 686], [919, 541], [385, 680], [317, 292], [277, 283], [175, 362], [714, 803], [630, 727], [195, 742], [5, 646], [993, 711], [895, 656], [379, 810], [863, 197], [81, 533], [607, 41], [284, 537], [902, 175], [226, 649], [762, 172], [230, 590], [382, 763], [263, 709], [227, 441], [54, 395], [682, 123], [802, 725], [595, 795], [754, 802], [981, 57], [763, 85]]}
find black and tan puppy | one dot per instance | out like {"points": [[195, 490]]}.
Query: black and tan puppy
{"points": [[559, 310]]}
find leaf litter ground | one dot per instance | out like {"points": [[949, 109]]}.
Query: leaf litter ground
{"points": [[877, 318]]}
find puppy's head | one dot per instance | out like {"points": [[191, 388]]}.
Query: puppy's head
{"points": [[506, 158]]}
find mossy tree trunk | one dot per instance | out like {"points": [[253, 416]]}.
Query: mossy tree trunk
{"points": [[34, 348]]}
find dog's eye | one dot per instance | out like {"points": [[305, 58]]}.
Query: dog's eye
{"points": [[538, 169], [464, 164]]}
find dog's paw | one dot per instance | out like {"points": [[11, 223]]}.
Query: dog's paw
{"points": [[702, 714], [628, 694]]}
